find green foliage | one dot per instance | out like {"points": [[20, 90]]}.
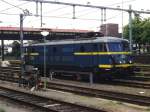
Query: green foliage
{"points": [[140, 30]]}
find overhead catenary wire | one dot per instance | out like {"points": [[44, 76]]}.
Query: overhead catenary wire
{"points": [[71, 18], [82, 10], [9, 14], [14, 14], [119, 3], [54, 10], [89, 11], [90, 6], [30, 0], [13, 6], [51, 11]]}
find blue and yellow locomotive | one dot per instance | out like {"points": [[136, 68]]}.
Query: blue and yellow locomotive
{"points": [[96, 54]]}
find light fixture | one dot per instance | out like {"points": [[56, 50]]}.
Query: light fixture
{"points": [[44, 33]]}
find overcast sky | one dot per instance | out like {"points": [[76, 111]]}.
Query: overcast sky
{"points": [[60, 16]]}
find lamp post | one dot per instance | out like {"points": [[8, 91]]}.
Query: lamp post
{"points": [[22, 17], [21, 48], [44, 33], [2, 47], [130, 27]]}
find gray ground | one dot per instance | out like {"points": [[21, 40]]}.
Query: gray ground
{"points": [[112, 106], [8, 106], [118, 88]]}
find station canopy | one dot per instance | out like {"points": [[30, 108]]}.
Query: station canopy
{"points": [[13, 33]]}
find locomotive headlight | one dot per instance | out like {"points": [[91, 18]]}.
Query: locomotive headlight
{"points": [[130, 61], [120, 62]]}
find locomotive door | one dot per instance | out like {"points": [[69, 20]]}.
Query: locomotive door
{"points": [[95, 54], [84, 58], [53, 60]]}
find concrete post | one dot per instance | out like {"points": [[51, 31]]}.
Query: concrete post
{"points": [[2, 49], [130, 27], [91, 78]]}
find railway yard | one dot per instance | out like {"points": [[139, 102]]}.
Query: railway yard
{"points": [[131, 94], [74, 56]]}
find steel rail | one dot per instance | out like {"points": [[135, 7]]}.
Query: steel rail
{"points": [[46, 104], [136, 99], [129, 98], [131, 82]]}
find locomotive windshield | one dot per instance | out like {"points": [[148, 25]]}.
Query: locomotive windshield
{"points": [[118, 47]]}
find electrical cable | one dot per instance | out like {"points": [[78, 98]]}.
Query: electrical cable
{"points": [[62, 14], [13, 6], [9, 14], [54, 10], [124, 2], [107, 6]]}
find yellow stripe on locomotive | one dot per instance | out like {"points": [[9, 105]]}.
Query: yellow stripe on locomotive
{"points": [[117, 65], [101, 53]]}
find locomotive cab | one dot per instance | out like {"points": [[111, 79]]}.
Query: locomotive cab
{"points": [[119, 59]]}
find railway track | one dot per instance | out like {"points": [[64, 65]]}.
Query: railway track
{"points": [[139, 78], [135, 99], [8, 73], [87, 91], [130, 98], [45, 104], [144, 70], [129, 83]]}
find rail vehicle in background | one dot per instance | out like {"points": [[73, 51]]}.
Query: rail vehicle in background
{"points": [[97, 54]]}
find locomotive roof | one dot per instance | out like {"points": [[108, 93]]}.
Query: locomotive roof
{"points": [[81, 40]]}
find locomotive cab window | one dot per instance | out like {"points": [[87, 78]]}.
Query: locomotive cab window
{"points": [[125, 46], [118, 46], [115, 47]]}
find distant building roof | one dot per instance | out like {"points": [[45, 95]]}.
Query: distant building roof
{"points": [[39, 29], [12, 33]]}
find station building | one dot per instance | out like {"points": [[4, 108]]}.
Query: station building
{"points": [[110, 29]]}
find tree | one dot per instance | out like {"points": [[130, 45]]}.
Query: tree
{"points": [[140, 30], [145, 35]]}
